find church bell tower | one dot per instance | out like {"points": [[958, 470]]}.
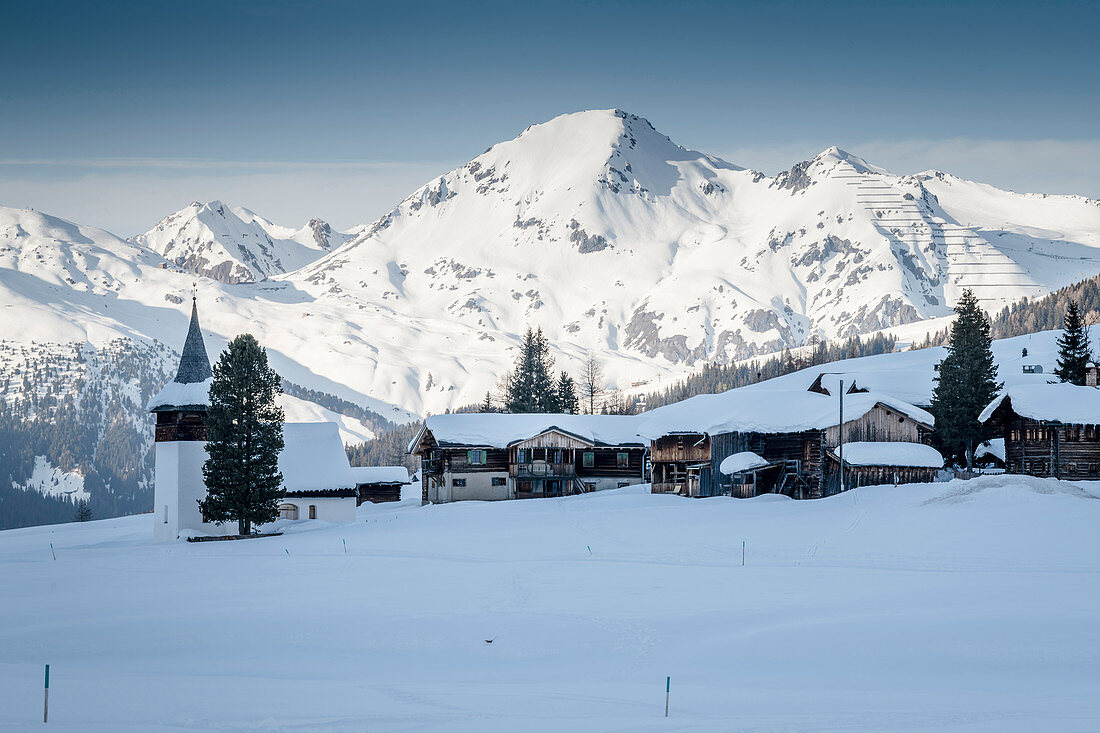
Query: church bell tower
{"points": [[180, 409]]}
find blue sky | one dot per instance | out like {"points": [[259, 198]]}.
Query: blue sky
{"points": [[115, 114]]}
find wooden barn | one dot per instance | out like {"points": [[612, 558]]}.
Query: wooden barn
{"points": [[1048, 429], [378, 484], [790, 429], [495, 456], [889, 462]]}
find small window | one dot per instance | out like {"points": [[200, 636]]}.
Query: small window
{"points": [[288, 511], [312, 511], [623, 484], [499, 481], [521, 455], [475, 457], [458, 482], [588, 459], [622, 460]]}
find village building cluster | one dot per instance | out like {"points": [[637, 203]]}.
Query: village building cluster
{"points": [[766, 438]]}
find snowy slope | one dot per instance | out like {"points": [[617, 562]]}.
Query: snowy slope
{"points": [[596, 227], [233, 244], [960, 607], [616, 240]]}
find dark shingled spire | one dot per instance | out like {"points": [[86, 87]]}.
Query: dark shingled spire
{"points": [[194, 364]]}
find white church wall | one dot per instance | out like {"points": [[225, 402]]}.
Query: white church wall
{"points": [[328, 508]]}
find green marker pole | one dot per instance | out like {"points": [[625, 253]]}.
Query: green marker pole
{"points": [[668, 686], [46, 701]]}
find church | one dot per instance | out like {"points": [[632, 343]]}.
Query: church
{"points": [[320, 483]]}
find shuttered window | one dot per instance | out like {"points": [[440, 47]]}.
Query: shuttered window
{"points": [[622, 460], [475, 457], [588, 459]]}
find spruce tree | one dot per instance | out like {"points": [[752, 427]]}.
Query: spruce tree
{"points": [[966, 381], [544, 386], [519, 385], [531, 386], [1074, 350], [244, 437], [567, 395], [83, 511]]}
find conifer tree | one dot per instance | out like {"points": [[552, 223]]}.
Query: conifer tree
{"points": [[966, 381], [487, 405], [567, 395], [83, 511], [244, 437], [1074, 350], [531, 386]]}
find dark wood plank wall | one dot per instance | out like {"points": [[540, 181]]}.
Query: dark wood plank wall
{"points": [[686, 448], [173, 425], [878, 425], [454, 459], [1039, 448], [605, 462]]}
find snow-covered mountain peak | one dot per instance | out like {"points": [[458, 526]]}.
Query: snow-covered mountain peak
{"points": [[234, 244]]}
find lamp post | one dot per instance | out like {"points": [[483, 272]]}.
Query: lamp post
{"points": [[840, 433]]}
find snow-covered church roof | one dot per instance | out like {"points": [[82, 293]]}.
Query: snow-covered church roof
{"points": [[191, 386], [313, 458], [1064, 403]]}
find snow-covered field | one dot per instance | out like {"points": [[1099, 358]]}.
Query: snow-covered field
{"points": [[966, 606]]}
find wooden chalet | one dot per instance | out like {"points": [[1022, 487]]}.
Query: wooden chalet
{"points": [[791, 429], [496, 456], [1049, 430]]}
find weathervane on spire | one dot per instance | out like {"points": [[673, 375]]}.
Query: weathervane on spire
{"points": [[194, 291]]}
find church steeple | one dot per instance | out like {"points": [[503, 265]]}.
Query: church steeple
{"points": [[194, 363]]}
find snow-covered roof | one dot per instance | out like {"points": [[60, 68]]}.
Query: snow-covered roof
{"points": [[767, 409], [313, 458], [380, 474], [499, 430], [996, 448], [174, 394], [909, 455], [1060, 402], [191, 385], [738, 462]]}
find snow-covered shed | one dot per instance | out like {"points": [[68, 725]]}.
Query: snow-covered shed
{"points": [[791, 428], [1048, 429], [319, 481], [493, 456], [888, 462], [746, 470], [378, 484]]}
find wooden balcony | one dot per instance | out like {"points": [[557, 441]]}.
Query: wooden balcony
{"points": [[542, 469]]}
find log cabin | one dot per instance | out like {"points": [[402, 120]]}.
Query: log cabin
{"points": [[790, 429], [1050, 430], [497, 456], [377, 484], [888, 462]]}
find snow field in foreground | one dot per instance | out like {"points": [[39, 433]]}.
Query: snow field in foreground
{"points": [[967, 606]]}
